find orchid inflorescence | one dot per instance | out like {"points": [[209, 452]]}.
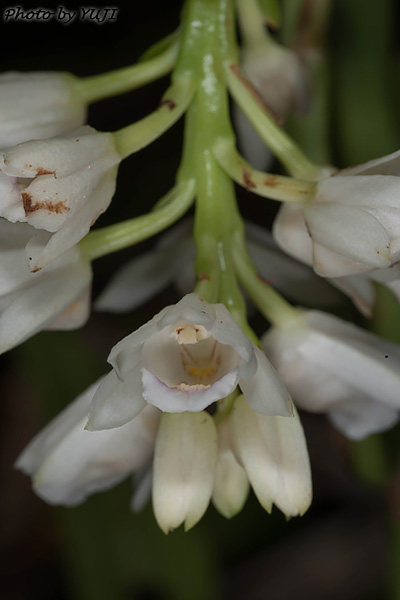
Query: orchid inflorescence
{"points": [[195, 401]]}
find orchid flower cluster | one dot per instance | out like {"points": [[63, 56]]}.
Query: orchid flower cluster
{"points": [[195, 404]]}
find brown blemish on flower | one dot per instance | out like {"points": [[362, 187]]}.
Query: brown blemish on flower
{"points": [[247, 180], [168, 102], [30, 207], [41, 171]]}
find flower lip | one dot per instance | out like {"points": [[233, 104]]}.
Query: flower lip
{"points": [[186, 355]]}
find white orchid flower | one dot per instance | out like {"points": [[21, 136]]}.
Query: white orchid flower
{"points": [[171, 261], [57, 297], [352, 225], [61, 186], [273, 453], [291, 233], [68, 463], [332, 366], [34, 106], [187, 357]]}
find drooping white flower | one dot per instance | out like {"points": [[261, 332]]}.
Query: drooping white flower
{"points": [[274, 454], [291, 233], [280, 78], [171, 261], [352, 225], [68, 463], [183, 471], [187, 357], [38, 105], [60, 185], [193, 461], [332, 366], [57, 297]]}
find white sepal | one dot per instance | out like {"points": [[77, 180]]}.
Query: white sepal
{"points": [[274, 455], [57, 297], [184, 465], [37, 106], [231, 485], [329, 365], [68, 463]]}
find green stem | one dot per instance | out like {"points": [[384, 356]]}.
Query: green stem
{"points": [[207, 42], [129, 78], [290, 155], [270, 303], [272, 13], [275, 187], [251, 23], [125, 234], [175, 101]]}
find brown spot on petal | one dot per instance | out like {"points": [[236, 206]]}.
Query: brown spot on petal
{"points": [[168, 102], [30, 207], [247, 180], [41, 171]]}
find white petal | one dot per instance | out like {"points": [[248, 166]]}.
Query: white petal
{"points": [[68, 463], [192, 399], [327, 363], [290, 233], [127, 353], [40, 297], [358, 418], [144, 276], [116, 402], [328, 263], [265, 391], [11, 207], [43, 249], [61, 155], [143, 481], [291, 278], [226, 331], [37, 105], [184, 465], [274, 454], [352, 232], [231, 486], [385, 165], [75, 316], [360, 290], [192, 309]]}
